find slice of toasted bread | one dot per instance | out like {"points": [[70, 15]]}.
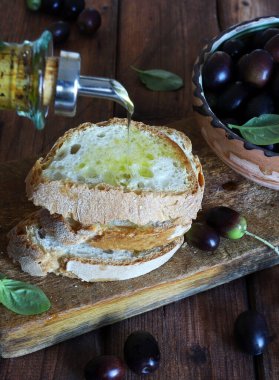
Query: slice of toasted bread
{"points": [[119, 236], [94, 175], [39, 254]]}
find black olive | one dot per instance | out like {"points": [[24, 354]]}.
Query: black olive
{"points": [[203, 237], [234, 47], [272, 46], [141, 352], [105, 367], [217, 70], [227, 222], [52, 6], [72, 8], [256, 67], [261, 38], [232, 98], [259, 105], [60, 31], [89, 21], [251, 333]]}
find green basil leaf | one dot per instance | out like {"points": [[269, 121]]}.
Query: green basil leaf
{"points": [[262, 130], [23, 298], [159, 80]]}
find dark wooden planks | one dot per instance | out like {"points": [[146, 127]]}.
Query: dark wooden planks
{"points": [[232, 12], [194, 343], [166, 35], [263, 297]]}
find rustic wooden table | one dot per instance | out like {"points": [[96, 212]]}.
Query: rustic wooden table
{"points": [[194, 334]]}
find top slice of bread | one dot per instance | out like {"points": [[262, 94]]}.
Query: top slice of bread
{"points": [[94, 174]]}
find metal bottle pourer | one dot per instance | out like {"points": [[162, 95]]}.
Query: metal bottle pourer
{"points": [[32, 79], [70, 84]]}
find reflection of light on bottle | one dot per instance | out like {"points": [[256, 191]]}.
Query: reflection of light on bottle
{"points": [[22, 68], [31, 79]]}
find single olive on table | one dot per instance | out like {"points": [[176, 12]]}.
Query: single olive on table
{"points": [[53, 7], [141, 353], [203, 237], [72, 8], [241, 82], [105, 367], [89, 21], [251, 332], [60, 31]]}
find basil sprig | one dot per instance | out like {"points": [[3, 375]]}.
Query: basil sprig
{"points": [[262, 130], [22, 298], [159, 80]]}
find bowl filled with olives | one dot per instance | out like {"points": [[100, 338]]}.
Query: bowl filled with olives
{"points": [[236, 98]]}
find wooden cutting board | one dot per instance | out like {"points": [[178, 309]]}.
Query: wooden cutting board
{"points": [[79, 307]]}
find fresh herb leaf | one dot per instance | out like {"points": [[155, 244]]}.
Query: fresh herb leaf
{"points": [[159, 80], [262, 130], [23, 298]]}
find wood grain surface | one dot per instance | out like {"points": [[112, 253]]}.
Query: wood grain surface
{"points": [[194, 334]]}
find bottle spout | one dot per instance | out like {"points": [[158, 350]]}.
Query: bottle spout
{"points": [[70, 84], [105, 88]]}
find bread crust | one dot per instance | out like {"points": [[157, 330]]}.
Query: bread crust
{"points": [[37, 261], [130, 238], [103, 203]]}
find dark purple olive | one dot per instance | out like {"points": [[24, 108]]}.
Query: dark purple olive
{"points": [[217, 70], [256, 67], [105, 367], [53, 7], [211, 99], [232, 98], [72, 8], [89, 21], [141, 352], [275, 86], [226, 222], [259, 105], [60, 31], [272, 46], [230, 120], [251, 333], [234, 47], [203, 237], [261, 38]]}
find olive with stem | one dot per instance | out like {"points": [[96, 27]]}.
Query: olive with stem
{"points": [[232, 225]]}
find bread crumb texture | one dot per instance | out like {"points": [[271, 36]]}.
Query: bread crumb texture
{"points": [[139, 159]]}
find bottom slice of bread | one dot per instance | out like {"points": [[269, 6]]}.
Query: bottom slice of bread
{"points": [[39, 255]]}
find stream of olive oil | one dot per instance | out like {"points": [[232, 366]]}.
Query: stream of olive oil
{"points": [[130, 111]]}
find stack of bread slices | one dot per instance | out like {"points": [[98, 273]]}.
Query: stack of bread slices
{"points": [[116, 204]]}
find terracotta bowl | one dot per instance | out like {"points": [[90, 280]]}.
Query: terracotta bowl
{"points": [[253, 162]]}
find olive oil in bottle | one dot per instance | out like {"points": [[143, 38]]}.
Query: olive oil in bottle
{"points": [[31, 79], [22, 67]]}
